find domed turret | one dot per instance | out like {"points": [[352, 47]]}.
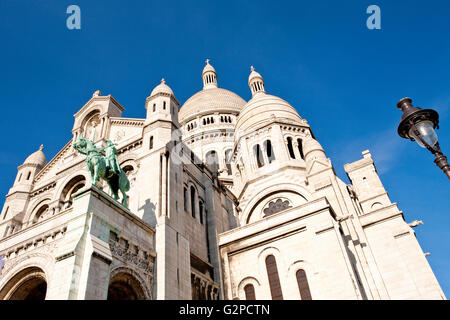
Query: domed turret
{"points": [[162, 104], [313, 150], [263, 108], [37, 158], [162, 88], [209, 76], [31, 166]]}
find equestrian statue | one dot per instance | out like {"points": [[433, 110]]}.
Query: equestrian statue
{"points": [[103, 164]]}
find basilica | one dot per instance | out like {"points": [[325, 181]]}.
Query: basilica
{"points": [[227, 199]]}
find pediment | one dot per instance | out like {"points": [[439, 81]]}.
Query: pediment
{"points": [[62, 158], [318, 165]]}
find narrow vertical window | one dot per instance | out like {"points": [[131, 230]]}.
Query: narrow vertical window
{"points": [[193, 201], [303, 286], [259, 156], [249, 292], [274, 280], [151, 142], [20, 177], [269, 151], [300, 148], [200, 211], [228, 161], [6, 212], [185, 199], [164, 105], [290, 148], [28, 176], [154, 107]]}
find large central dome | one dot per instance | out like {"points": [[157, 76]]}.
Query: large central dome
{"points": [[211, 99]]}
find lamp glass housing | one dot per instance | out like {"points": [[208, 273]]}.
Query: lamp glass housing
{"points": [[426, 132]]}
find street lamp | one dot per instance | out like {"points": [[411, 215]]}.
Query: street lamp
{"points": [[418, 125]]}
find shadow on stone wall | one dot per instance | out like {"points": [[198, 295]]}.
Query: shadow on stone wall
{"points": [[149, 215]]}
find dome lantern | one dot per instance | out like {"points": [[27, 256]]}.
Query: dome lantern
{"points": [[209, 76], [256, 82]]}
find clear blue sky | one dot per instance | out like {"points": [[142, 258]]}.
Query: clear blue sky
{"points": [[318, 55]]}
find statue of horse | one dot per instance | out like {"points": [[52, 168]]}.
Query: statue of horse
{"points": [[98, 169]]}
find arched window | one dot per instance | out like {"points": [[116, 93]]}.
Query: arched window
{"points": [[200, 211], [185, 199], [249, 292], [193, 201], [303, 286], [274, 279], [40, 213], [28, 176], [269, 151], [259, 156], [290, 148], [228, 161], [128, 169], [164, 105], [70, 189], [300, 148], [154, 107], [151, 142]]}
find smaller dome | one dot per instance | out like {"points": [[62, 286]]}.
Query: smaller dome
{"points": [[162, 88], [263, 109], [313, 149], [37, 157]]}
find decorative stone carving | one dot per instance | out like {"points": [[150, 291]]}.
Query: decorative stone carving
{"points": [[276, 206], [127, 254]]}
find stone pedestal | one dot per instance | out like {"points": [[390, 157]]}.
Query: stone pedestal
{"points": [[84, 252]]}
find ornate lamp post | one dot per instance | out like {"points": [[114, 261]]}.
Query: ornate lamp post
{"points": [[418, 125]]}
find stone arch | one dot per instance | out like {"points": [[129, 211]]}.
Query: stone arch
{"points": [[71, 186], [86, 123], [40, 213], [281, 266], [376, 205], [271, 192], [28, 284], [36, 262], [40, 207], [245, 281], [310, 273], [191, 184], [127, 284]]}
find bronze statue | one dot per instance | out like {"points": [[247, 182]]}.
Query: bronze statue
{"points": [[104, 167]]}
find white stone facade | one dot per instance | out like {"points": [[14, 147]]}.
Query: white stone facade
{"points": [[229, 200]]}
